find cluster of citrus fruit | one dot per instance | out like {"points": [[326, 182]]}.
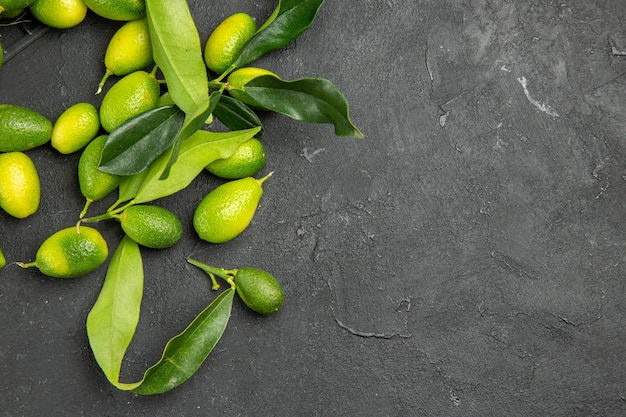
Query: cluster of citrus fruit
{"points": [[223, 214]]}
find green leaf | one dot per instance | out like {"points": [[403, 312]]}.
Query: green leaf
{"points": [[192, 123], [196, 152], [178, 52], [313, 100], [113, 319], [185, 352], [235, 115], [130, 148], [289, 20]]}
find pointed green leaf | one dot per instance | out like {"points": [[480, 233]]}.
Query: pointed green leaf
{"points": [[196, 152], [290, 19], [113, 319], [178, 53], [130, 148], [193, 122], [185, 352], [235, 115], [313, 100]]}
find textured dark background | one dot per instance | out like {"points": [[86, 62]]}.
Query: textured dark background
{"points": [[465, 259]]}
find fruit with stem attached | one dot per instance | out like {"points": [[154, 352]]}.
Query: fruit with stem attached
{"points": [[129, 50], [70, 253]]}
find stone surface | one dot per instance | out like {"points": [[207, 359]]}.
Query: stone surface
{"points": [[466, 258]]}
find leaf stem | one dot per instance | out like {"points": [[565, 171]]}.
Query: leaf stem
{"points": [[212, 271]]}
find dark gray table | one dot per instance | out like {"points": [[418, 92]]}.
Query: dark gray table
{"points": [[465, 259]]}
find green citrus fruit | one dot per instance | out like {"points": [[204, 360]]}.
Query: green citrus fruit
{"points": [[226, 41], [132, 95], [95, 184], [13, 8], [123, 10], [22, 128], [129, 50], [3, 260], [75, 128], [226, 211], [238, 79], [59, 14], [248, 160], [151, 226], [71, 253], [20, 189], [259, 290]]}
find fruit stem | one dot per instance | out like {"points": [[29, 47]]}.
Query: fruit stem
{"points": [[212, 271], [104, 79], [84, 211], [262, 180], [105, 216], [27, 264]]}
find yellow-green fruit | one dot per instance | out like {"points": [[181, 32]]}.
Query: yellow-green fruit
{"points": [[75, 128], [3, 260], [129, 50], [13, 8], [247, 161], [20, 189], [131, 96], [59, 14], [95, 184], [238, 79], [226, 212], [151, 226], [226, 41], [71, 253], [22, 129], [259, 290], [123, 10]]}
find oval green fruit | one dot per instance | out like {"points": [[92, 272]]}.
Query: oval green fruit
{"points": [[75, 128], [247, 161], [70, 253], [22, 129], [129, 97], [129, 50], [13, 8], [226, 41], [20, 189], [226, 211], [59, 14], [151, 226], [123, 10], [95, 184], [259, 290], [3, 260]]}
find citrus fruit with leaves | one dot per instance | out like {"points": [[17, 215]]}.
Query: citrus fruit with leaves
{"points": [[247, 161], [238, 79], [130, 96]]}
